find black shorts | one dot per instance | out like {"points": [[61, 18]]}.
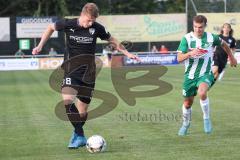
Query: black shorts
{"points": [[83, 84], [220, 62]]}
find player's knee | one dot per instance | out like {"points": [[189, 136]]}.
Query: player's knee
{"points": [[188, 103], [67, 101], [202, 90], [202, 94]]}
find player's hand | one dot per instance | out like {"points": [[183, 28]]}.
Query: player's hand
{"points": [[233, 62], [132, 56], [196, 52], [36, 50]]}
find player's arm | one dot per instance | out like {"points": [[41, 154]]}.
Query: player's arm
{"points": [[233, 50], [193, 53], [184, 52], [233, 61], [46, 34], [182, 56], [118, 46]]}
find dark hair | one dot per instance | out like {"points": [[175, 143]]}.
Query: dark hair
{"points": [[91, 9], [229, 25], [200, 19]]}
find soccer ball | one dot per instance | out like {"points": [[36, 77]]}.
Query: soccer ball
{"points": [[96, 144]]}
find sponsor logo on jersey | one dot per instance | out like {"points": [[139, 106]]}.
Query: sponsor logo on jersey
{"points": [[81, 39], [207, 45], [71, 29]]}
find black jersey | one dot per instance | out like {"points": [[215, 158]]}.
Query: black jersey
{"points": [[220, 53], [80, 40], [80, 44]]}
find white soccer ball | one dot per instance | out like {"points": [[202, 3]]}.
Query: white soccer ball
{"points": [[96, 144]]}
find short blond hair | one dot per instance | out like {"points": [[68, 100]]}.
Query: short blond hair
{"points": [[91, 9]]}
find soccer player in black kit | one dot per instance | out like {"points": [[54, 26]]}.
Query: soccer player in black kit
{"points": [[79, 79], [220, 56]]}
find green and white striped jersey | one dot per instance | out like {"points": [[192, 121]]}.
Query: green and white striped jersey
{"points": [[197, 67]]}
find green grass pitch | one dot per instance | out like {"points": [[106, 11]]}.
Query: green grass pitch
{"points": [[30, 130]]}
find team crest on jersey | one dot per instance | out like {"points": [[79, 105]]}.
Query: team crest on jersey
{"points": [[91, 31]]}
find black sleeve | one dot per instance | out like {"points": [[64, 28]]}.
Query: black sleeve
{"points": [[233, 44], [103, 34], [60, 24]]}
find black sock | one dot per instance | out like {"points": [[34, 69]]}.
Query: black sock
{"points": [[77, 120]]}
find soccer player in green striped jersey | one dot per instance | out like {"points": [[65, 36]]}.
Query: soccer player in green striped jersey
{"points": [[196, 51]]}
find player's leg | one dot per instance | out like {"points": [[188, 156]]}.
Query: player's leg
{"points": [[186, 115], [221, 75], [82, 110], [204, 103], [82, 104], [84, 98], [215, 67], [215, 72], [218, 68], [221, 69], [187, 110], [69, 95], [189, 91]]}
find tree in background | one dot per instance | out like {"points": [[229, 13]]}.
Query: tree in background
{"points": [[73, 7], [63, 8], [33, 8]]}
